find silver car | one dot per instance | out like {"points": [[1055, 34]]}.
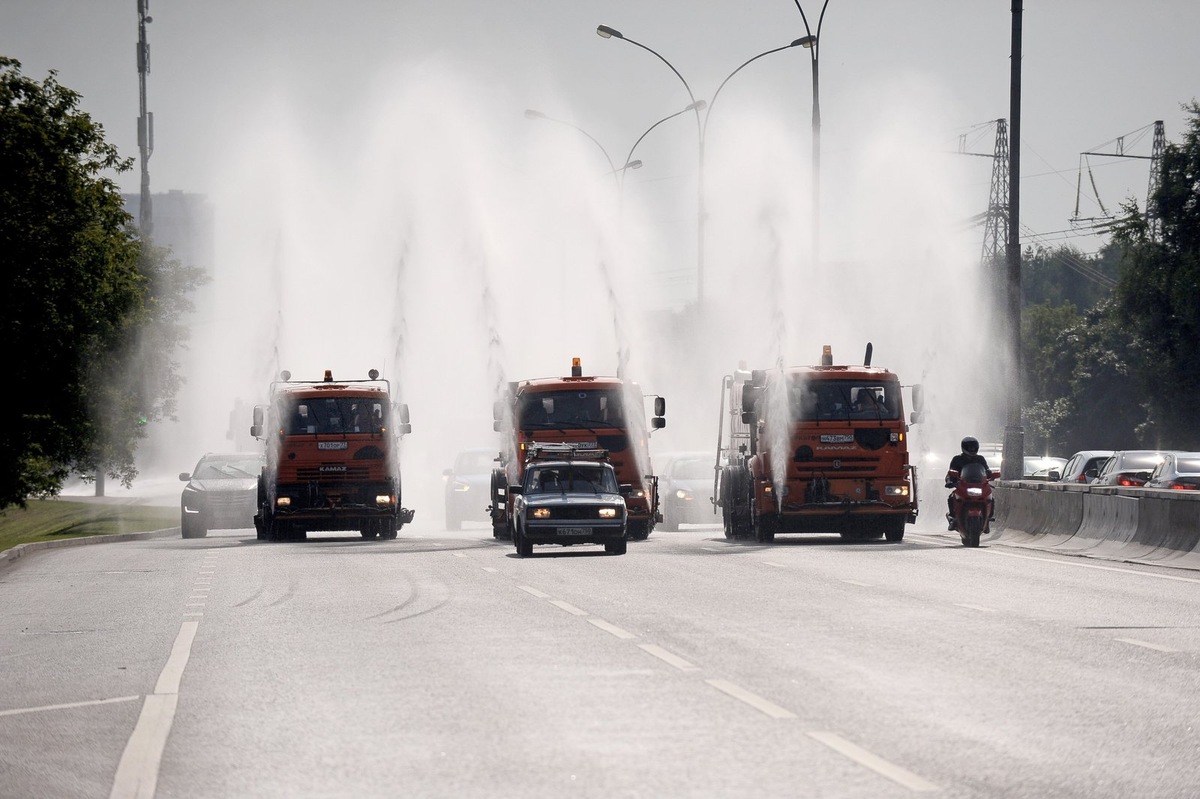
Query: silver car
{"points": [[1179, 471], [221, 493]]}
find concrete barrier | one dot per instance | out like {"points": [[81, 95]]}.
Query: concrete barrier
{"points": [[1139, 525]]}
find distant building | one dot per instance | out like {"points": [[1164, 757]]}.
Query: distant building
{"points": [[183, 223]]}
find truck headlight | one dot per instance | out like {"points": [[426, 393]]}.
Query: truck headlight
{"points": [[541, 513], [895, 491], [283, 502], [384, 500]]}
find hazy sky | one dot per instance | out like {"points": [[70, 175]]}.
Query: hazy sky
{"points": [[382, 200], [1093, 70]]}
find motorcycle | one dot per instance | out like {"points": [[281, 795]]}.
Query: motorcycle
{"points": [[972, 501]]}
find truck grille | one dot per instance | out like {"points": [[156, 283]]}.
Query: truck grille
{"points": [[344, 473]]}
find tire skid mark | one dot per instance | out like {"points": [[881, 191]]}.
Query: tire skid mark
{"points": [[250, 598], [426, 598]]}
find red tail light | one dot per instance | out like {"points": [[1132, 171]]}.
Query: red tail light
{"points": [[1130, 481], [1179, 485]]}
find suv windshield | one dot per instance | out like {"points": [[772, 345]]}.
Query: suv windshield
{"points": [[233, 469], [562, 477]]}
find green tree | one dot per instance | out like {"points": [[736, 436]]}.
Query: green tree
{"points": [[1158, 297], [91, 315]]}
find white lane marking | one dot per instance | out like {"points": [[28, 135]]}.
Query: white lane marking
{"points": [[874, 762], [168, 681], [197, 597], [194, 613], [531, 590], [490, 569], [1147, 644], [1095, 566], [855, 582], [712, 549], [195, 604], [776, 565], [974, 607], [753, 700], [137, 773], [668, 657], [68, 705], [458, 554], [611, 628], [568, 607]]}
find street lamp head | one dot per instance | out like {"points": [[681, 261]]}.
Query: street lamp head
{"points": [[606, 32], [699, 105], [807, 42], [531, 114], [634, 164]]}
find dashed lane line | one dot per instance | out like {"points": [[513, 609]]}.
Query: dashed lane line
{"points": [[753, 700], [1146, 644], [68, 705], [980, 608], [856, 582], [874, 762], [612, 629], [490, 569], [668, 657], [568, 607], [534, 592]]}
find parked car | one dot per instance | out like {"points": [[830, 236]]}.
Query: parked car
{"points": [[221, 493], [569, 502], [686, 488], [1130, 468], [1043, 468], [1084, 466], [1179, 471], [467, 485]]}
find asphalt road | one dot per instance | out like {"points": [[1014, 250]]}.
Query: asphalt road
{"points": [[441, 665]]}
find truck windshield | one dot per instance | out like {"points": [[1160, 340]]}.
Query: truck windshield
{"points": [[844, 400], [333, 415], [575, 409]]}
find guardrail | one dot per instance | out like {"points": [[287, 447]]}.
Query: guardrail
{"points": [[1133, 524]]}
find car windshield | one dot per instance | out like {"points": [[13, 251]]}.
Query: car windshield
{"points": [[692, 469], [228, 469], [566, 410], [334, 415], [821, 400], [559, 478]]}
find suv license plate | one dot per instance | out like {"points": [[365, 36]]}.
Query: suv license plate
{"points": [[574, 531]]}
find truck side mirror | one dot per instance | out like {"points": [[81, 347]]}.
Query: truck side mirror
{"points": [[918, 398], [658, 423], [498, 426], [259, 415], [660, 406], [497, 411], [402, 413], [916, 417], [403, 429], [256, 431]]}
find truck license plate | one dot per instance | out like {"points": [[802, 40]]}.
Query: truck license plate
{"points": [[574, 531]]}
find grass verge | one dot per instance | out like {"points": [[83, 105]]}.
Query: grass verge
{"points": [[55, 519]]}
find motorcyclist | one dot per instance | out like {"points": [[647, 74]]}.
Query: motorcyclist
{"points": [[970, 454]]}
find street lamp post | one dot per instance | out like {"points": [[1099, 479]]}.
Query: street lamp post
{"points": [[618, 172], [606, 32], [812, 43], [702, 129]]}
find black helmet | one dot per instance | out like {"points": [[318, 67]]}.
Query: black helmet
{"points": [[970, 445]]}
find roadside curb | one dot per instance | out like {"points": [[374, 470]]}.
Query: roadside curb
{"points": [[10, 556]]}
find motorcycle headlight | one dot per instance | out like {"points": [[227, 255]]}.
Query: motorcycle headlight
{"points": [[974, 492]]}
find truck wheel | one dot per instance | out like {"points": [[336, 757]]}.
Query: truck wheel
{"points": [[638, 530], [894, 529], [369, 529], [763, 526], [390, 529], [616, 547]]}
